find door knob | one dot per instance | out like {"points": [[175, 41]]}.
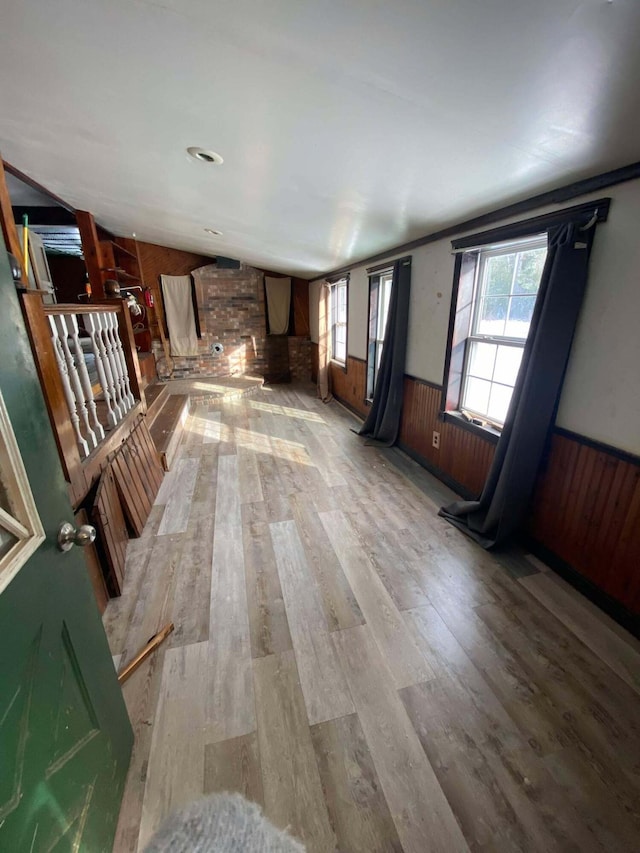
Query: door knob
{"points": [[68, 535]]}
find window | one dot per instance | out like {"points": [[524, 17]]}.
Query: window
{"points": [[497, 291], [379, 296], [339, 311]]}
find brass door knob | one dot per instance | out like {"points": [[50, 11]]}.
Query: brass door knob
{"points": [[68, 535]]}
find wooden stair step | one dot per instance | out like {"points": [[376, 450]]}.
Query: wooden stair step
{"points": [[155, 396], [148, 374], [167, 426]]}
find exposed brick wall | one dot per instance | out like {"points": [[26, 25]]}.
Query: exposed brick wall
{"points": [[300, 358], [231, 309]]}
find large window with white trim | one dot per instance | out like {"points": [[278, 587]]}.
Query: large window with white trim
{"points": [[498, 287], [379, 296], [339, 312]]}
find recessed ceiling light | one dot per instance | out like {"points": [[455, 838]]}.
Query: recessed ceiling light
{"points": [[204, 156], [213, 232]]}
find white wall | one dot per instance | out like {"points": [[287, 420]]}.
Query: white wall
{"points": [[601, 395]]}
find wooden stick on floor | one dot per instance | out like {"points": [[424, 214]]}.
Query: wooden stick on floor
{"points": [[144, 653]]}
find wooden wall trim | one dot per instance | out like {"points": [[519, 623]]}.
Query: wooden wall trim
{"points": [[436, 385]]}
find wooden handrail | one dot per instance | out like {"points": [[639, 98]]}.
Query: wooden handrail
{"points": [[83, 308]]}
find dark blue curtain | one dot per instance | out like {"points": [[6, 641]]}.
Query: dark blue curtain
{"points": [[509, 487], [383, 421]]}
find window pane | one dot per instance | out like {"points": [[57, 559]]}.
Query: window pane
{"points": [[482, 360], [385, 296], [530, 266], [342, 303], [493, 313], [498, 275], [508, 365], [476, 395], [520, 314], [499, 400]]}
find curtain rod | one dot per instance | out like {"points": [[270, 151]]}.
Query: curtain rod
{"points": [[526, 227]]}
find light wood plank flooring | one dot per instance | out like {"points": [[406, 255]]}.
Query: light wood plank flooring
{"points": [[343, 657]]}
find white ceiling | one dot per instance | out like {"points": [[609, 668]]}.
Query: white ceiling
{"points": [[346, 126]]}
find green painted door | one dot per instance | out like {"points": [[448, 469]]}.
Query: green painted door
{"points": [[65, 738]]}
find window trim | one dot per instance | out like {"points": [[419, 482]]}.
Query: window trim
{"points": [[473, 244], [477, 257], [333, 283]]}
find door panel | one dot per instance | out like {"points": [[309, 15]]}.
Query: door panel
{"points": [[65, 738]]}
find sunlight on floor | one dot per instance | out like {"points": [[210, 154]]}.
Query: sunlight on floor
{"points": [[258, 442], [285, 410]]}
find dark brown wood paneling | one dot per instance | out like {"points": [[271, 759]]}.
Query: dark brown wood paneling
{"points": [[465, 458], [586, 511], [112, 529], [300, 296], [349, 386], [315, 361]]}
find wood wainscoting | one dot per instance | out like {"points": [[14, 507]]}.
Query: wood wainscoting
{"points": [[586, 511], [349, 386], [463, 458]]}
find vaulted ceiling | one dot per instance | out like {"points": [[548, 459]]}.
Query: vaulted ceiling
{"points": [[346, 126]]}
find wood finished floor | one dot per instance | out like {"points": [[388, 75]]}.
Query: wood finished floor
{"points": [[348, 660]]}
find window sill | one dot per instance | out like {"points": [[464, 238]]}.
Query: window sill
{"points": [[341, 364], [487, 432]]}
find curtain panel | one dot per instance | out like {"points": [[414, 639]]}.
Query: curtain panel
{"points": [[383, 421], [180, 314], [278, 304]]}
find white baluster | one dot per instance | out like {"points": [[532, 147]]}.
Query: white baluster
{"points": [[119, 352], [58, 348], [92, 326], [113, 365], [74, 332], [73, 370]]}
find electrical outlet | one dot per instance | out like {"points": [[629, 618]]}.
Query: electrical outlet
{"points": [[436, 440]]}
